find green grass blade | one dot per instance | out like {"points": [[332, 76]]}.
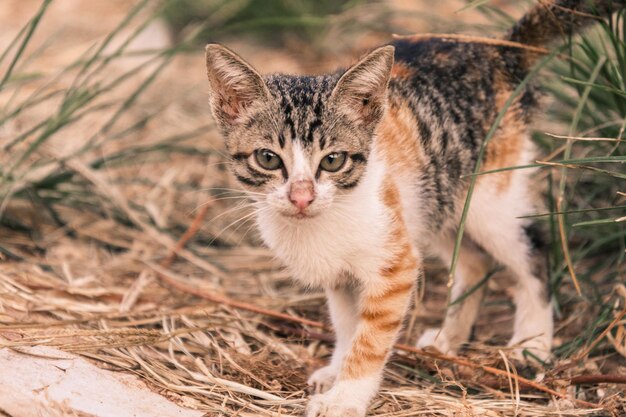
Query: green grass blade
{"points": [[552, 213], [31, 29], [595, 222], [472, 5], [476, 287]]}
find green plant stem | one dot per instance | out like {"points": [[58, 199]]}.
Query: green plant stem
{"points": [[31, 29]]}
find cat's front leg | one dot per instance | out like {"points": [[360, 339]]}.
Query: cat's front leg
{"points": [[382, 305], [342, 304]]}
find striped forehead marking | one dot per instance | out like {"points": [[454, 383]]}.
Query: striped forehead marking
{"points": [[302, 102]]}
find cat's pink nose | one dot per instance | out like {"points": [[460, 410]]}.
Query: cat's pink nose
{"points": [[301, 194]]}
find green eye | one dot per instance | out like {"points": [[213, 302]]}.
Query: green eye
{"points": [[333, 162], [268, 159]]}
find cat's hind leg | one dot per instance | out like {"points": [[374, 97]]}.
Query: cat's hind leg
{"points": [[465, 297], [494, 223]]}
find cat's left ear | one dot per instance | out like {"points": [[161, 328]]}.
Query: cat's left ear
{"points": [[234, 86], [361, 93]]}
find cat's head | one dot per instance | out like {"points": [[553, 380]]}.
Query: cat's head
{"points": [[298, 143]]}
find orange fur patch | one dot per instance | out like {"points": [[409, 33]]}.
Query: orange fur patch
{"points": [[505, 148], [397, 140], [401, 70], [365, 358]]}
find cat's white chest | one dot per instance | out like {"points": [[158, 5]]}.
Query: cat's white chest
{"points": [[318, 250]]}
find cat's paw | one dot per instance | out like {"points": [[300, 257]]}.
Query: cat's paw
{"points": [[323, 379], [334, 403], [436, 338], [539, 347], [347, 398]]}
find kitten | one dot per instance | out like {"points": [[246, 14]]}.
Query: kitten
{"points": [[356, 176]]}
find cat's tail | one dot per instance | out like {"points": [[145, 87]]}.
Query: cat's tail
{"points": [[550, 20]]}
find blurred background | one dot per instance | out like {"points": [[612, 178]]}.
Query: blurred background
{"points": [[108, 154]]}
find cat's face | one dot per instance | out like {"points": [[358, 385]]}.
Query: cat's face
{"points": [[298, 144]]}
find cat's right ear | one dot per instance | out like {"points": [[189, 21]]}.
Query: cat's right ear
{"points": [[362, 90], [234, 86]]}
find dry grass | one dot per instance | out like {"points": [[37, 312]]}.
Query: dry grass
{"points": [[94, 272]]}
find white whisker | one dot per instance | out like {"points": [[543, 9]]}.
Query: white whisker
{"points": [[247, 216], [240, 206]]}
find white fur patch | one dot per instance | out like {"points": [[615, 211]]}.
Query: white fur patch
{"points": [[345, 399]]}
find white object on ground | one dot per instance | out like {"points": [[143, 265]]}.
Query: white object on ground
{"points": [[44, 381]]}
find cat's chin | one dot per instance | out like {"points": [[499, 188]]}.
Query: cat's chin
{"points": [[300, 216]]}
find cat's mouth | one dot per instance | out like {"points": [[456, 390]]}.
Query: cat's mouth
{"points": [[300, 215]]}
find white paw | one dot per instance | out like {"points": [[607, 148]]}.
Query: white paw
{"points": [[323, 379], [334, 404], [436, 338], [347, 398], [538, 346]]}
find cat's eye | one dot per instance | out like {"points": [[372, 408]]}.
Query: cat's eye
{"points": [[333, 162], [268, 159]]}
